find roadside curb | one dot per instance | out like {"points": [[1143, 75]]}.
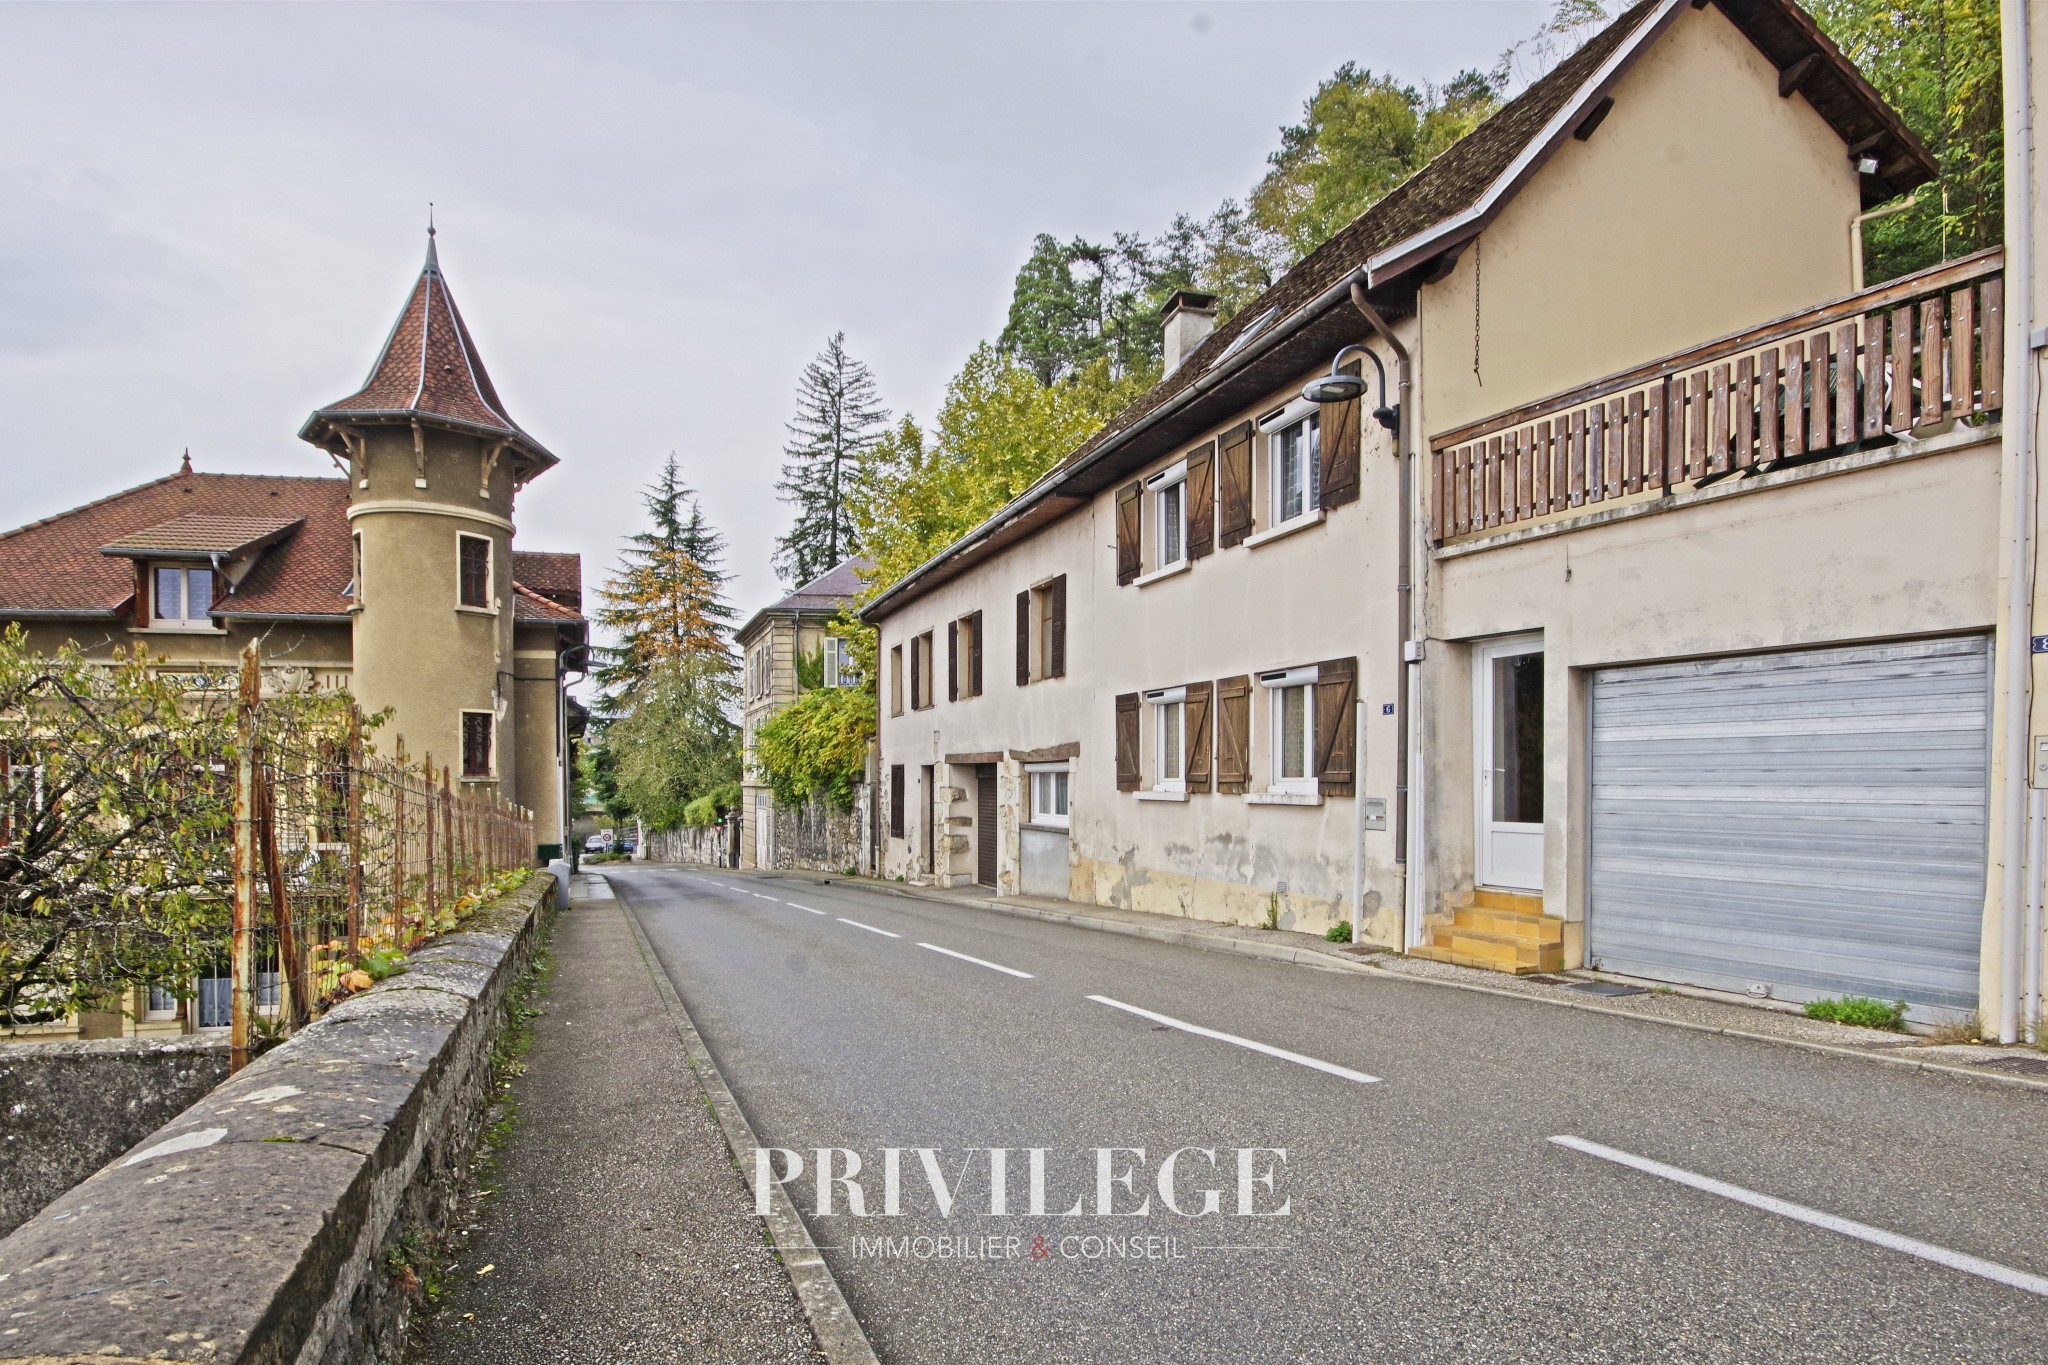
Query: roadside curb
{"points": [[1308, 957], [838, 1332]]}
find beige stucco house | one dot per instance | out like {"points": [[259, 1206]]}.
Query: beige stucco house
{"points": [[397, 581], [1637, 605], [772, 643]]}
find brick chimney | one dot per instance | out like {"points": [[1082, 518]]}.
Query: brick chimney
{"points": [[1189, 318]]}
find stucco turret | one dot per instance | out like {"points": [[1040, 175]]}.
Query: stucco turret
{"points": [[434, 463]]}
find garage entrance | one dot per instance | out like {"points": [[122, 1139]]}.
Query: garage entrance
{"points": [[1812, 822]]}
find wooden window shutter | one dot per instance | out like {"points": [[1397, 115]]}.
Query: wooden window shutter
{"points": [[142, 586], [1234, 486], [974, 654], [1056, 665], [1233, 734], [1198, 767], [1127, 742], [952, 661], [1024, 638], [1201, 501], [1129, 502], [1337, 726], [1340, 440], [896, 801]]}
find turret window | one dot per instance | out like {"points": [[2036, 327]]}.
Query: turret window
{"points": [[476, 743], [474, 555]]}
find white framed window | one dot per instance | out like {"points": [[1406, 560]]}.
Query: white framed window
{"points": [[1169, 494], [181, 597], [1169, 739], [473, 572], [1293, 466], [1291, 728], [162, 1004], [1049, 787], [479, 755], [839, 666]]}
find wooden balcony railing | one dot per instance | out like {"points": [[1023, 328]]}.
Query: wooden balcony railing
{"points": [[1899, 358]]}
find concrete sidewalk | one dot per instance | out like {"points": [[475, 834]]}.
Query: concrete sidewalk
{"points": [[615, 1226]]}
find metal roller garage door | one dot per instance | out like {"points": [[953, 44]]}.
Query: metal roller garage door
{"points": [[1811, 820]]}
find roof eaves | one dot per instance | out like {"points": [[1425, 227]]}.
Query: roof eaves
{"points": [[1413, 250], [1050, 482]]}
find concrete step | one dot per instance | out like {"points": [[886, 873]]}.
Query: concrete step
{"points": [[1509, 923], [1495, 952], [1549, 959]]}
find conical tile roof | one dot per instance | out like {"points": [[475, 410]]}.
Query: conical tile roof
{"points": [[429, 371]]}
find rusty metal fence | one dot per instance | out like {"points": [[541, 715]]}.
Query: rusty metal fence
{"points": [[345, 859]]}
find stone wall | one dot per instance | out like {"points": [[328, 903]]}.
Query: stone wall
{"points": [[815, 837], [259, 1225], [68, 1108], [704, 845]]}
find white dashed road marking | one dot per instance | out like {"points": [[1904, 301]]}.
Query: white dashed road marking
{"points": [[979, 962], [794, 906], [869, 927], [1799, 1213], [1282, 1053]]}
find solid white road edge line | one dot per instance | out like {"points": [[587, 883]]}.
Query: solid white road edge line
{"points": [[1799, 1213], [1282, 1053], [869, 927], [794, 906], [979, 962]]}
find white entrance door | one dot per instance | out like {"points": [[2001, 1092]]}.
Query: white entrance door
{"points": [[1508, 677], [764, 832]]}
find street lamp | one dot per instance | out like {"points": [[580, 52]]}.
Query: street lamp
{"points": [[1337, 387]]}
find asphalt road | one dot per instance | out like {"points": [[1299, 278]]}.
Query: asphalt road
{"points": [[1430, 1214]]}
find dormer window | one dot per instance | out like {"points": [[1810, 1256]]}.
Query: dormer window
{"points": [[182, 597]]}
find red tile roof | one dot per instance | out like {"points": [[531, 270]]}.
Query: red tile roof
{"points": [[54, 567], [429, 370], [202, 535], [556, 576], [528, 605]]}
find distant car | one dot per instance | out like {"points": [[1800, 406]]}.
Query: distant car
{"points": [[629, 842], [600, 842]]}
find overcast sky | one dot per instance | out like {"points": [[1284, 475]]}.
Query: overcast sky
{"points": [[652, 216]]}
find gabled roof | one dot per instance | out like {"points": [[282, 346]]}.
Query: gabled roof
{"points": [[202, 536], [429, 371], [1414, 227], [822, 597], [75, 565]]}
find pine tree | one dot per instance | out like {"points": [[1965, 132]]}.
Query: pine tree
{"points": [[838, 418], [666, 599]]}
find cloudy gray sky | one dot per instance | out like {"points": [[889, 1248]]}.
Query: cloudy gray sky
{"points": [[651, 215]]}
